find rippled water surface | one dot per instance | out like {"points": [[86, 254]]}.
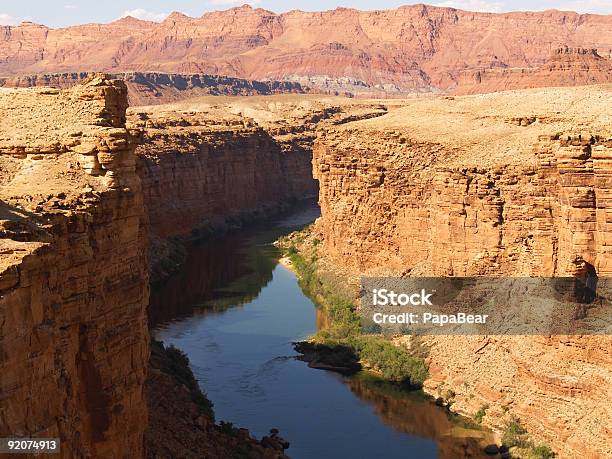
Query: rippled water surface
{"points": [[235, 312]]}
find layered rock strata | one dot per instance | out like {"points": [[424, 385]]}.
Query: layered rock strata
{"points": [[513, 184], [73, 279], [411, 48], [148, 88], [566, 67]]}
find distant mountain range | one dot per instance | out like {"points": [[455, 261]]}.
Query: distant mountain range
{"points": [[412, 48]]}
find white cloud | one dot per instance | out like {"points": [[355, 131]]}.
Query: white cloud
{"points": [[233, 2], [70, 7], [141, 13], [7, 19], [474, 5], [588, 6]]}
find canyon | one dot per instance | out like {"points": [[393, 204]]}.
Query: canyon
{"points": [[212, 161], [513, 184], [413, 48], [96, 200]]}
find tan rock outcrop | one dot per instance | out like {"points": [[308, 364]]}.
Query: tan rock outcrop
{"points": [[514, 184], [73, 278]]}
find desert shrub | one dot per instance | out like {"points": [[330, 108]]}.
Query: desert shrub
{"points": [[177, 364], [542, 452], [514, 434], [481, 413], [395, 363], [227, 428]]}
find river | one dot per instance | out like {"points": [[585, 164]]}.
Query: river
{"points": [[235, 312]]}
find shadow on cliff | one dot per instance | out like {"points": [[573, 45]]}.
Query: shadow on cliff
{"points": [[12, 213], [227, 270], [19, 224]]}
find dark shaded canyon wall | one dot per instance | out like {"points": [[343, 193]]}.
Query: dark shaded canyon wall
{"points": [[202, 170], [73, 278], [151, 88]]}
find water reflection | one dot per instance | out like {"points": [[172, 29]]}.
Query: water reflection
{"points": [[225, 271], [244, 360], [413, 413]]}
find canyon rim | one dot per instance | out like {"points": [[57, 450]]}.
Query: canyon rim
{"points": [[436, 142]]}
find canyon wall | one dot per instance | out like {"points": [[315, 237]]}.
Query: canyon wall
{"points": [[199, 169], [514, 184], [411, 48], [149, 88], [73, 279]]}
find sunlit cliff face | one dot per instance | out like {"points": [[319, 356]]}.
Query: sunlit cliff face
{"points": [[74, 282], [510, 184]]}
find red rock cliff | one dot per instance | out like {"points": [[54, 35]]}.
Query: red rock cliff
{"points": [[566, 67], [73, 278]]}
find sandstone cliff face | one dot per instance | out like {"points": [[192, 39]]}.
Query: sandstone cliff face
{"points": [[566, 67], [151, 88], [414, 47], [511, 184], [73, 279], [203, 170]]}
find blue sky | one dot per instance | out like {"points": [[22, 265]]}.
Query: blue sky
{"points": [[59, 13]]}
